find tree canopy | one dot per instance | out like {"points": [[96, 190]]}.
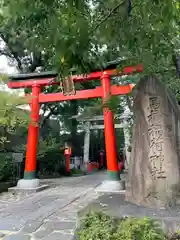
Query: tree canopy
{"points": [[67, 34], [83, 35], [11, 114]]}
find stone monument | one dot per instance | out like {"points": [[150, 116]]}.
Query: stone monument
{"points": [[154, 170]]}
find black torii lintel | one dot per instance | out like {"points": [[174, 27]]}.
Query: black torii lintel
{"points": [[31, 76], [53, 74]]}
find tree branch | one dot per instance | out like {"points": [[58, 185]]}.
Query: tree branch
{"points": [[129, 103], [52, 111], [107, 16], [14, 54], [36, 62], [5, 53]]}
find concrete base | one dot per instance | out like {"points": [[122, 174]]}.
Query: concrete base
{"points": [[28, 185], [111, 187]]}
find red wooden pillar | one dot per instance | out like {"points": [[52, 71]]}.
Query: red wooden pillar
{"points": [[67, 153], [68, 164], [109, 131], [32, 141]]}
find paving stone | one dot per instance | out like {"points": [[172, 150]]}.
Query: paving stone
{"points": [[59, 225], [55, 208], [42, 232], [71, 216], [17, 236], [12, 225], [58, 236], [2, 235], [8, 197], [31, 226]]}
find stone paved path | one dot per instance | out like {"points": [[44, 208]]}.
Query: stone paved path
{"points": [[50, 214]]}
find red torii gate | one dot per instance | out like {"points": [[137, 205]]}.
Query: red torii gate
{"points": [[38, 80]]}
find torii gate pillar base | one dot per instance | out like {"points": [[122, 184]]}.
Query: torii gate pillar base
{"points": [[110, 186], [28, 185]]}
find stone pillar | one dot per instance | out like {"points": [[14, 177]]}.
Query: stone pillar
{"points": [[154, 170], [86, 145], [127, 142]]}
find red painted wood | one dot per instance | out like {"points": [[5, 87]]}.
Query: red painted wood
{"points": [[102, 92], [76, 78], [109, 131], [33, 130], [84, 94]]}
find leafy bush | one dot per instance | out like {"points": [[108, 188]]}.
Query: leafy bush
{"points": [[12, 116], [6, 168], [43, 147], [140, 229], [76, 171], [49, 157], [52, 161], [62, 169], [99, 226]]}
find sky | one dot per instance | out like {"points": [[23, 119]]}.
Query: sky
{"points": [[5, 68], [4, 65]]}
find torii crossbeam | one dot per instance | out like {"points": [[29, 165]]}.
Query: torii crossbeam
{"points": [[38, 80]]}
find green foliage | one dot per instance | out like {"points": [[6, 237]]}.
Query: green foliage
{"points": [[75, 171], [6, 168], [84, 35], [44, 146], [61, 169], [11, 115], [100, 226], [47, 146], [50, 158], [63, 42], [73, 33], [97, 226], [96, 107], [140, 229], [59, 26], [47, 151], [148, 35], [175, 236], [113, 103]]}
